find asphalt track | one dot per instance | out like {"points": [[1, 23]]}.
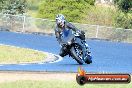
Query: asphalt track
{"points": [[107, 56]]}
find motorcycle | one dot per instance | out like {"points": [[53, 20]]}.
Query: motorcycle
{"points": [[75, 47]]}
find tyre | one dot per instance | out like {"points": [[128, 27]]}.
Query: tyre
{"points": [[75, 55]]}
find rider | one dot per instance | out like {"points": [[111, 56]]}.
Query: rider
{"points": [[61, 25]]}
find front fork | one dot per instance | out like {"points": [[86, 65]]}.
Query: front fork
{"points": [[85, 50], [84, 46]]}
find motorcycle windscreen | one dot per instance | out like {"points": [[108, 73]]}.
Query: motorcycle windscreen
{"points": [[67, 35]]}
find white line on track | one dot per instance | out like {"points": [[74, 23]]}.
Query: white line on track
{"points": [[41, 63], [21, 64]]}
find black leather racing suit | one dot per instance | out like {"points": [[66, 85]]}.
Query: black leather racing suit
{"points": [[58, 33]]}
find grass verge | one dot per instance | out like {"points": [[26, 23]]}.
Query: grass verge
{"points": [[58, 84], [15, 55], [48, 80]]}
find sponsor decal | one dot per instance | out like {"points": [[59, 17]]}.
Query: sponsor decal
{"points": [[82, 78]]}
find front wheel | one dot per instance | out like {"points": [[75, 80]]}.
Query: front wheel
{"points": [[76, 53]]}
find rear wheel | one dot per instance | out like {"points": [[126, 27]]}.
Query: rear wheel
{"points": [[76, 53]]}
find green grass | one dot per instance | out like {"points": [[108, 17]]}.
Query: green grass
{"points": [[100, 15], [58, 84], [32, 6], [15, 55], [32, 13]]}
